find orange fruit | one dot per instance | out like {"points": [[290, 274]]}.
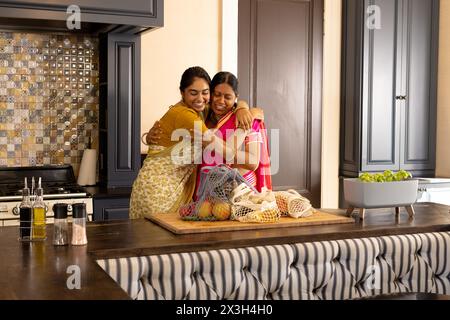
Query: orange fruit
{"points": [[204, 210], [221, 211]]}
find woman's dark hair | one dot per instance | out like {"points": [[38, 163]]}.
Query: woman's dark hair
{"points": [[219, 78], [225, 77], [190, 74]]}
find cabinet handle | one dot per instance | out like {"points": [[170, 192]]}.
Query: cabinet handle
{"points": [[400, 98]]}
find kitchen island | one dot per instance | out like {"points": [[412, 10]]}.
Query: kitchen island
{"points": [[131, 251]]}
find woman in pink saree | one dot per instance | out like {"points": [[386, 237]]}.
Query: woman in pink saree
{"points": [[252, 158]]}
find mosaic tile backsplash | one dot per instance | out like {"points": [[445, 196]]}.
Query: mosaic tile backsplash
{"points": [[48, 98]]}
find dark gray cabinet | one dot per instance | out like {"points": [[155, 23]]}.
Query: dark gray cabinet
{"points": [[142, 13], [119, 127], [389, 70], [111, 209]]}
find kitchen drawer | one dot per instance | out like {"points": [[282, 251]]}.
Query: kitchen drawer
{"points": [[111, 208]]}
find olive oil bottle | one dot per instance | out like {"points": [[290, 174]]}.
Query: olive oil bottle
{"points": [[39, 210]]}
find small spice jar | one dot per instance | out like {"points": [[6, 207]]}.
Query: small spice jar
{"points": [[60, 227], [79, 224]]}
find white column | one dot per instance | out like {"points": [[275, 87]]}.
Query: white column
{"points": [[331, 103], [230, 36], [443, 103]]}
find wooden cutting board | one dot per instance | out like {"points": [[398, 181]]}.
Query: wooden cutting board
{"points": [[173, 223]]}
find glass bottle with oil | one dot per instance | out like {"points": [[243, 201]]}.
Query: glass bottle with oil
{"points": [[25, 211], [39, 209]]}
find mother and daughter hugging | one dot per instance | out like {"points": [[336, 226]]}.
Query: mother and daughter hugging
{"points": [[230, 132]]}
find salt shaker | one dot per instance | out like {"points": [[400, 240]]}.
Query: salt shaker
{"points": [[60, 227], [79, 224]]}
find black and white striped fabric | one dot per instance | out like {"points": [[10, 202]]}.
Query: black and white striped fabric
{"points": [[342, 269]]}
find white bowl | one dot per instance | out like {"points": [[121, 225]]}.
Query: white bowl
{"points": [[371, 195]]}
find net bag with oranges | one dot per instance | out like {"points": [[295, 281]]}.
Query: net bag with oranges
{"points": [[214, 194]]}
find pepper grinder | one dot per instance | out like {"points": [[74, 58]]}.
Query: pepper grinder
{"points": [[79, 224], [60, 227]]}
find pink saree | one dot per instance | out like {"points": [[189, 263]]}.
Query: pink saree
{"points": [[261, 177]]}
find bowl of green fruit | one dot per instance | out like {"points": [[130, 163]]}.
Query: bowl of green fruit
{"points": [[381, 190]]}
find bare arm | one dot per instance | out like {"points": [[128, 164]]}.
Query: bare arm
{"points": [[249, 157], [225, 149]]}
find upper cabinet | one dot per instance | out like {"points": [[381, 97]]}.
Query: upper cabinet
{"points": [[142, 14], [389, 74]]}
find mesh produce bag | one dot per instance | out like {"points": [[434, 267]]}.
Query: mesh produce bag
{"points": [[249, 206], [214, 194], [293, 204]]}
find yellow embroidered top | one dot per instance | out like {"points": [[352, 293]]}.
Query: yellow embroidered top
{"points": [[179, 116]]}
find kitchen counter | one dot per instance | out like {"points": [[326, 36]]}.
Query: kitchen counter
{"points": [[39, 270], [436, 190], [99, 192]]}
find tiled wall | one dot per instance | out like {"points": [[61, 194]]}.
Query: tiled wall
{"points": [[48, 98]]}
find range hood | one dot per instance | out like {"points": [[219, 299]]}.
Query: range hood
{"points": [[96, 16]]}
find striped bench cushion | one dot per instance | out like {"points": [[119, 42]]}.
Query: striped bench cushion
{"points": [[342, 269]]}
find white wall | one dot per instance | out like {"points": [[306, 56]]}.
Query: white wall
{"points": [[443, 116], [191, 36], [331, 103], [230, 36]]}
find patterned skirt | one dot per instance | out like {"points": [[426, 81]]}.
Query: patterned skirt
{"points": [[161, 186]]}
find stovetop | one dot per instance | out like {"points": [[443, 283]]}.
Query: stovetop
{"points": [[63, 189], [57, 182]]}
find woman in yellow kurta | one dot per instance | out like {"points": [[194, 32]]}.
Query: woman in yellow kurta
{"points": [[162, 184]]}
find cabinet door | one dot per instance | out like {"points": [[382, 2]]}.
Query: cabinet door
{"points": [[116, 213], [111, 209], [380, 117], [280, 70], [418, 111]]}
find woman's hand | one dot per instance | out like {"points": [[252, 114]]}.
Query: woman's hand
{"points": [[154, 134], [257, 113], [244, 118], [245, 115]]}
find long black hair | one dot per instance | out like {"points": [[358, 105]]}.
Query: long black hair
{"points": [[190, 74]]}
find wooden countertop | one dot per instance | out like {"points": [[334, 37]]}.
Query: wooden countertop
{"points": [[39, 270]]}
